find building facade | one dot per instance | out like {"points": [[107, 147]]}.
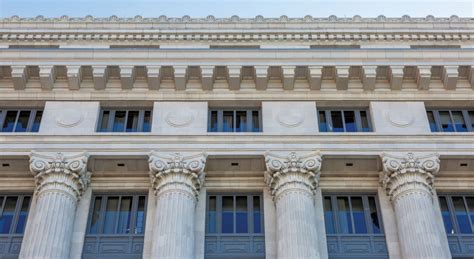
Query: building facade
{"points": [[236, 138]]}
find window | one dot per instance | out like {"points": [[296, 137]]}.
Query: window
{"points": [[13, 120], [457, 212], [332, 120], [125, 121], [14, 214], [116, 221], [354, 226], [234, 226], [228, 120], [451, 120]]}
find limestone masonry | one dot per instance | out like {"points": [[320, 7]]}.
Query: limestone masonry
{"points": [[236, 138]]}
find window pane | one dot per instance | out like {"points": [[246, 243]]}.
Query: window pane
{"points": [[95, 216], [37, 121], [374, 219], [431, 119], [344, 215], [461, 215], [213, 126], [119, 122], [105, 121], [125, 215], [328, 216], [471, 118], [22, 124], [323, 126], [349, 118], [147, 121], [365, 121], [23, 215], [358, 215], [227, 214], [228, 121], [9, 122], [132, 121], [211, 215], [446, 124], [470, 206], [241, 121], [448, 224], [459, 121], [110, 215], [337, 124], [140, 221], [241, 215], [256, 122], [257, 216], [7, 216]]}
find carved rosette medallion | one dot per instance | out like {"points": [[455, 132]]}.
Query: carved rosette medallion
{"points": [[293, 171], [60, 172], [177, 172], [408, 173]]}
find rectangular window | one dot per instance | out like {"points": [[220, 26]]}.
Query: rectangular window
{"points": [[234, 226], [112, 217], [234, 120], [14, 211], [20, 120], [125, 121], [332, 120], [451, 120], [354, 221], [457, 211]]}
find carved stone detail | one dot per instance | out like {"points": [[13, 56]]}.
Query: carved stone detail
{"points": [[409, 172], [59, 172], [290, 118], [179, 119], [292, 171], [176, 171]]}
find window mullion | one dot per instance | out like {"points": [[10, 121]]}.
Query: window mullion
{"points": [[3, 205], [234, 217], [467, 211], [220, 120], [366, 209], [3, 115], [110, 125], [16, 120], [118, 214], [31, 119], [329, 120], [234, 119], [343, 117], [133, 216], [219, 214], [102, 211], [453, 214], [467, 120], [250, 214], [141, 120], [249, 120], [452, 121], [125, 121], [16, 214], [438, 121], [335, 214], [349, 198], [358, 120]]}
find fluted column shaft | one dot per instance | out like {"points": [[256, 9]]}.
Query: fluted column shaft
{"points": [[408, 180], [60, 183], [176, 180], [292, 180]]}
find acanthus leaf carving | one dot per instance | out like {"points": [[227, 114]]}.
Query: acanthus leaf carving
{"points": [[176, 171]]}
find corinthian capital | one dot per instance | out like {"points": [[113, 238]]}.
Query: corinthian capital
{"points": [[60, 172], [175, 171], [408, 172], [292, 171]]}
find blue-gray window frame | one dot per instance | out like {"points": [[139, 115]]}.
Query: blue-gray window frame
{"points": [[250, 218], [110, 123], [358, 120], [220, 119], [100, 235], [459, 243], [437, 119], [370, 235], [31, 119], [13, 240]]}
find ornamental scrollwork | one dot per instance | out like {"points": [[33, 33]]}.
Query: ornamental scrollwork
{"points": [[59, 171], [181, 171]]}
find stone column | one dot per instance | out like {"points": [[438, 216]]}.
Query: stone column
{"points": [[408, 180], [293, 179], [60, 182], [176, 180]]}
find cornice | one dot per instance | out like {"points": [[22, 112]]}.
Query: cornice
{"points": [[234, 19]]}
